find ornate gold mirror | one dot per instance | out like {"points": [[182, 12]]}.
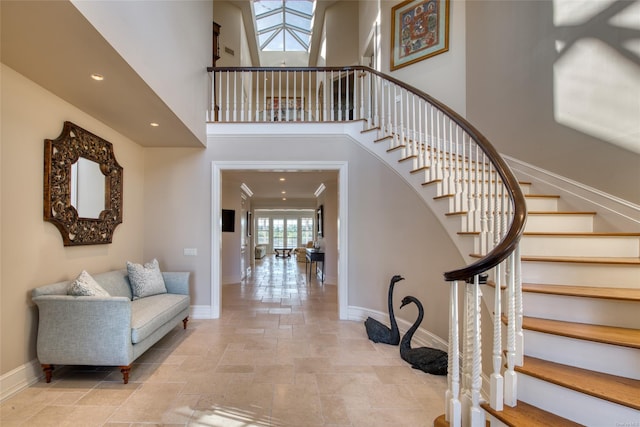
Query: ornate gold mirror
{"points": [[82, 187]]}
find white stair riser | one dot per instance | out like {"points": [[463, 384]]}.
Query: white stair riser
{"points": [[575, 406], [562, 273], [494, 422], [566, 223], [542, 204], [610, 359], [595, 311], [587, 246]]}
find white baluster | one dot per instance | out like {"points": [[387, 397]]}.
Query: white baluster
{"points": [[227, 97], [510, 378], [452, 398], [377, 94], [421, 143], [242, 105], [273, 103], [389, 130], [467, 352], [519, 308], [497, 382], [476, 413]]}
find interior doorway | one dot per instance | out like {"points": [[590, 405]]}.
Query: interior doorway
{"points": [[342, 217]]}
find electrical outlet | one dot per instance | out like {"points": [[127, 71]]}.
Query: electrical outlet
{"points": [[190, 251]]}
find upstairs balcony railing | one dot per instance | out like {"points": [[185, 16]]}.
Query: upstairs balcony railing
{"points": [[452, 155]]}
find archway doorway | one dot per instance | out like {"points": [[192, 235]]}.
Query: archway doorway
{"points": [[216, 209]]}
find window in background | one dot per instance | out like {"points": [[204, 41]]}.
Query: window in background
{"points": [[263, 231], [278, 233], [292, 233], [306, 231]]}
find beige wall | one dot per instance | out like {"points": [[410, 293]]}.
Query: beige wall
{"points": [[390, 229], [231, 33], [341, 26], [169, 43], [513, 94], [32, 249]]}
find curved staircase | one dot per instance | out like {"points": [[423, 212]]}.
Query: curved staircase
{"points": [[581, 300], [572, 341]]}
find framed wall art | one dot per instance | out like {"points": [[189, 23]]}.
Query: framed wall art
{"points": [[419, 30], [285, 109]]}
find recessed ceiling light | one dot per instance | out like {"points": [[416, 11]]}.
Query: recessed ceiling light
{"points": [[97, 77], [284, 192], [154, 124], [282, 179], [284, 198]]}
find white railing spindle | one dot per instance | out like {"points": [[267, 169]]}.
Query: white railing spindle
{"points": [[448, 152]]}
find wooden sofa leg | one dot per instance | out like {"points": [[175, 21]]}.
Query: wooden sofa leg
{"points": [[48, 371], [184, 322], [125, 373]]}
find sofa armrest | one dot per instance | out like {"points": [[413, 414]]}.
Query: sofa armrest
{"points": [[176, 282], [84, 330]]}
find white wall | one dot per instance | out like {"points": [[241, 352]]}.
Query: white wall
{"points": [[32, 249], [168, 43], [515, 79], [390, 229]]}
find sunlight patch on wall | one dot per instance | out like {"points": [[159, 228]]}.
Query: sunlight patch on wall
{"points": [[597, 76]]}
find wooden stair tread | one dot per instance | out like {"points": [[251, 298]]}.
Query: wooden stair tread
{"points": [[622, 294], [580, 234], [585, 260], [525, 415], [614, 335], [541, 196], [560, 213], [620, 390], [575, 260]]}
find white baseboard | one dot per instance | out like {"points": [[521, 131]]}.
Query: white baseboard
{"points": [[201, 312], [231, 280], [19, 378], [422, 337], [613, 210]]}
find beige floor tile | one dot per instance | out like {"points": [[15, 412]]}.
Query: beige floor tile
{"points": [[65, 416], [277, 357], [149, 403]]}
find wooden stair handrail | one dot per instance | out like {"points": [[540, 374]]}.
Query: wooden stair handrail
{"points": [[510, 241]]}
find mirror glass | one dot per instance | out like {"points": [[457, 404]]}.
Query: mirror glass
{"points": [[87, 188]]}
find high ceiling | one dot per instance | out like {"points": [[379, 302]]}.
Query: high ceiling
{"points": [[52, 44]]}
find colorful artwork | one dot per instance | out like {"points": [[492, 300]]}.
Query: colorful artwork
{"points": [[419, 29], [290, 109]]}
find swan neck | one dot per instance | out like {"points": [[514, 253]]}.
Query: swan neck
{"points": [[390, 302], [406, 339]]}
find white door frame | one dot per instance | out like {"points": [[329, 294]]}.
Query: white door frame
{"points": [[216, 232]]}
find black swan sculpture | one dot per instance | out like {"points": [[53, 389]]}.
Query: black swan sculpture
{"points": [[376, 331], [429, 360]]}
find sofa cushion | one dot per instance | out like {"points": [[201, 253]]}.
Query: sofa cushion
{"points": [[146, 280], [86, 286], [150, 313]]}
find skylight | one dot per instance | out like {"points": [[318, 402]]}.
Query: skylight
{"points": [[283, 25]]}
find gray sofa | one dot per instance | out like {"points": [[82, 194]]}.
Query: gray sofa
{"points": [[106, 331]]}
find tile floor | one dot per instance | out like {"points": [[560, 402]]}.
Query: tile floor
{"points": [[278, 356]]}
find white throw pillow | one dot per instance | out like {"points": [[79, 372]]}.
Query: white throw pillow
{"points": [[146, 280], [86, 286]]}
